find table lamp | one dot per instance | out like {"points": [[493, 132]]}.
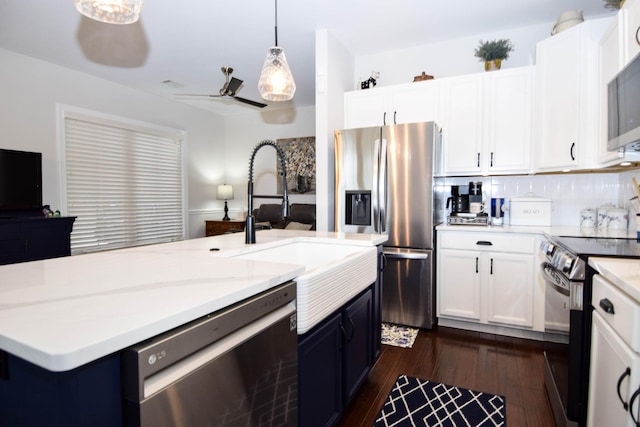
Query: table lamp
{"points": [[225, 192]]}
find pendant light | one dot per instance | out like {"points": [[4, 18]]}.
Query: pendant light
{"points": [[110, 11], [276, 81]]}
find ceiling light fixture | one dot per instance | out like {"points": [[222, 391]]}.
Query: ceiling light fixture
{"points": [[110, 11], [276, 81]]}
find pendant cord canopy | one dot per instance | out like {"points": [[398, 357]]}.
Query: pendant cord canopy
{"points": [[276, 80]]}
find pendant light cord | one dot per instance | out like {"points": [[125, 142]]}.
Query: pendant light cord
{"points": [[276, 1]]}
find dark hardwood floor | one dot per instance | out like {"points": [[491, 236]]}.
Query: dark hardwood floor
{"points": [[509, 367]]}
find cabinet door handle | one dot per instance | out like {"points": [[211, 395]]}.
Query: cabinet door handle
{"points": [[491, 163], [626, 373], [394, 117], [353, 330], [573, 145], [491, 267], [638, 35], [633, 417], [344, 335], [384, 119], [478, 160], [484, 243], [607, 306], [476, 264]]}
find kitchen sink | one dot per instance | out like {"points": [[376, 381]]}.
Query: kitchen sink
{"points": [[334, 273]]}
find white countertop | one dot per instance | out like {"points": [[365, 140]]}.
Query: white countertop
{"points": [[567, 231], [622, 272], [62, 313]]}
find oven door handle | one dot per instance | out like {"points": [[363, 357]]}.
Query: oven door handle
{"points": [[545, 267]]}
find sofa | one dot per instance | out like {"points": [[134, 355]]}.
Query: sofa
{"points": [[302, 216]]}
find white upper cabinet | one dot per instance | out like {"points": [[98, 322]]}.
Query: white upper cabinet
{"points": [[366, 108], [568, 101], [406, 103], [486, 120], [462, 124], [508, 116], [631, 29]]}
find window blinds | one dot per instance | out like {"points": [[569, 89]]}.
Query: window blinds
{"points": [[124, 185]]}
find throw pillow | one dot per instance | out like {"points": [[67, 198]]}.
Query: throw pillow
{"points": [[298, 226]]}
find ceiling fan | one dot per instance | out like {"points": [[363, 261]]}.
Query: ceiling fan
{"points": [[229, 89]]}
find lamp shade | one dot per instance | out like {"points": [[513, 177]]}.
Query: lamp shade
{"points": [[276, 81], [110, 11], [224, 192]]}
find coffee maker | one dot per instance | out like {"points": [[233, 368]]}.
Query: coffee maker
{"points": [[457, 202], [467, 208]]}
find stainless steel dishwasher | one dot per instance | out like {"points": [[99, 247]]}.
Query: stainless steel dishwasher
{"points": [[235, 367]]}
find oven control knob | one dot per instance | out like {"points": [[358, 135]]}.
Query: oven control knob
{"points": [[550, 248], [567, 262]]}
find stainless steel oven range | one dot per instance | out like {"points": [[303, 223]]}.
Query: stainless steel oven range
{"points": [[568, 315]]}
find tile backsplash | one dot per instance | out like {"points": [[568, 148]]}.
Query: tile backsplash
{"points": [[569, 193]]}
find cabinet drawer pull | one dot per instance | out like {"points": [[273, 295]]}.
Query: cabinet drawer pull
{"points": [[626, 373], [607, 306], [484, 243]]}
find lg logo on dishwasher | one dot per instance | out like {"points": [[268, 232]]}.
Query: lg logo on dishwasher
{"points": [[156, 356]]}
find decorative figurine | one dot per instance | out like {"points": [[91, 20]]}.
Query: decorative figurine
{"points": [[371, 81]]}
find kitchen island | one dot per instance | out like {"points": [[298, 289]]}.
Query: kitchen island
{"points": [[65, 316]]}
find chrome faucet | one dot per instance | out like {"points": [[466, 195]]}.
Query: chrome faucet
{"points": [[250, 228]]}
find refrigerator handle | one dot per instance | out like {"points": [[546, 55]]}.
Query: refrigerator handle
{"points": [[374, 191], [382, 186]]}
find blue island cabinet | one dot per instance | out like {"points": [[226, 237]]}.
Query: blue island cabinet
{"points": [[31, 396], [334, 359]]}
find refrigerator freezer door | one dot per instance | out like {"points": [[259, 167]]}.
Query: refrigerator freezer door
{"points": [[407, 291], [356, 181], [409, 184]]}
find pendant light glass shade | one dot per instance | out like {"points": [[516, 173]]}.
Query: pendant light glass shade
{"points": [[111, 11], [276, 81]]}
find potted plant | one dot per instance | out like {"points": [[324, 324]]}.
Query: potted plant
{"points": [[613, 4], [493, 52]]}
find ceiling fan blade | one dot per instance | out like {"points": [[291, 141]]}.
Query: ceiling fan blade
{"points": [[250, 102], [198, 94], [233, 86]]}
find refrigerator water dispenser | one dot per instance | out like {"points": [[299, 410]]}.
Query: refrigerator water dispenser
{"points": [[358, 208]]}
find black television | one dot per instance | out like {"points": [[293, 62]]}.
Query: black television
{"points": [[20, 181]]}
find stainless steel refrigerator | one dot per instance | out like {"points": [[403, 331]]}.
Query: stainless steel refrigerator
{"points": [[384, 183]]}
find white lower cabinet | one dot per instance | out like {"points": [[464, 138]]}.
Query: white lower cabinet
{"points": [[614, 383], [490, 279]]}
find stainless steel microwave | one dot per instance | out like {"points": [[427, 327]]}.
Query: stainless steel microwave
{"points": [[623, 118]]}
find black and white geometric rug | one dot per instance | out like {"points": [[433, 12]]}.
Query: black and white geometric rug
{"points": [[415, 402]]}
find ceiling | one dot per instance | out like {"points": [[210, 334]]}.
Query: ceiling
{"points": [[188, 41]]}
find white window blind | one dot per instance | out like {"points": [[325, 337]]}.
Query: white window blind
{"points": [[124, 185]]}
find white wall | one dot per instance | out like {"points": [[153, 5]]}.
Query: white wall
{"points": [[334, 67], [31, 89], [446, 59], [243, 133]]}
